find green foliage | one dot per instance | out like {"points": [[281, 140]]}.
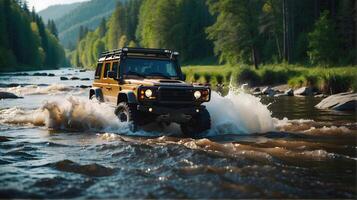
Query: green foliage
{"points": [[219, 78], [249, 76], [323, 41], [207, 77], [196, 77], [25, 43]]}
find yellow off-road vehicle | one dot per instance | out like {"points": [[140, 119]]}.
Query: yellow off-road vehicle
{"points": [[147, 85]]}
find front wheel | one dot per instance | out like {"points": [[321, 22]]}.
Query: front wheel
{"points": [[198, 124], [127, 114]]}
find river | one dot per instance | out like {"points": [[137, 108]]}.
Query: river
{"points": [[55, 143]]}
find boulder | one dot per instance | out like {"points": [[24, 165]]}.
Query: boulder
{"points": [[321, 96], [8, 95], [304, 91], [74, 78], [85, 79], [341, 102], [268, 91], [40, 74], [63, 78], [21, 74], [289, 92], [50, 74], [82, 70], [85, 86]]}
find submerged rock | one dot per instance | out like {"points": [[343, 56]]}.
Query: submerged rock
{"points": [[82, 70], [85, 79], [304, 91], [63, 78], [8, 95], [50, 74], [341, 102], [74, 78]]}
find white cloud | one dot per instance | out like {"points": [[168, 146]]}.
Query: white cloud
{"points": [[42, 4]]}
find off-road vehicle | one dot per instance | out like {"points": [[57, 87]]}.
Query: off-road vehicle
{"points": [[147, 85]]}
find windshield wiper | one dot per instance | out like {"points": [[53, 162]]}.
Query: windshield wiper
{"points": [[159, 74], [135, 74]]}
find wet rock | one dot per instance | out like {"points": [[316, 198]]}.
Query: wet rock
{"points": [[89, 170], [289, 92], [4, 139], [85, 79], [63, 78], [82, 70], [256, 90], [268, 91], [8, 95], [50, 74], [85, 86], [74, 78], [341, 102], [321, 96], [21, 74], [304, 91], [40, 74]]}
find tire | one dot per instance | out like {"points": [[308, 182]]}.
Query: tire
{"points": [[198, 124], [127, 114]]}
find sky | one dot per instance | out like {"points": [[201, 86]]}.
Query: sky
{"points": [[43, 4]]}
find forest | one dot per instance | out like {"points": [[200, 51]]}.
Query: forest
{"points": [[250, 32], [26, 42]]}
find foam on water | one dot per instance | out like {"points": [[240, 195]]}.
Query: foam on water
{"points": [[52, 89]]}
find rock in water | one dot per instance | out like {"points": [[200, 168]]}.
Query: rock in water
{"points": [[269, 91], [63, 78], [289, 92], [341, 102], [8, 95], [304, 91]]}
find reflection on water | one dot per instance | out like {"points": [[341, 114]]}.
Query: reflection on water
{"points": [[55, 143]]}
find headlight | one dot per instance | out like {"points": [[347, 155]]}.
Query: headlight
{"points": [[148, 93], [197, 94]]}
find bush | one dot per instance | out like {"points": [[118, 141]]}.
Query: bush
{"points": [[249, 76], [196, 76], [207, 77], [269, 76], [219, 78], [228, 76]]}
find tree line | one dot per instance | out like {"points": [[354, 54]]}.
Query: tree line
{"points": [[26, 42], [255, 32]]}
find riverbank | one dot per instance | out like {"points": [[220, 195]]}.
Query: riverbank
{"points": [[330, 80]]}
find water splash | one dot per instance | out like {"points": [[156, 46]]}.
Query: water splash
{"points": [[239, 112]]}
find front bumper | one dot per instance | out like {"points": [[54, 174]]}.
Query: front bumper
{"points": [[167, 114]]}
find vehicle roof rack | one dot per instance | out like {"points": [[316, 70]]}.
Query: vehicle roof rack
{"points": [[126, 50]]}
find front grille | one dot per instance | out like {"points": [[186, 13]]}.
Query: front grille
{"points": [[176, 94]]}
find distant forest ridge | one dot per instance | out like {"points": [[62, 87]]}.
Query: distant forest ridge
{"points": [[26, 42], [253, 32], [57, 11]]}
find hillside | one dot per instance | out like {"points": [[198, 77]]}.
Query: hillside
{"points": [[57, 11], [87, 14]]}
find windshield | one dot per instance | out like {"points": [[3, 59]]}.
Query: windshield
{"points": [[149, 68]]}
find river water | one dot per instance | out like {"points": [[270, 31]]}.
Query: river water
{"points": [[55, 143]]}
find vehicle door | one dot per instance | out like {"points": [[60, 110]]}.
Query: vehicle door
{"points": [[113, 83], [106, 88]]}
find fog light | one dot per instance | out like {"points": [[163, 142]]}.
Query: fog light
{"points": [[148, 93], [197, 94], [150, 109]]}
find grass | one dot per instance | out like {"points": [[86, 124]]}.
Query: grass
{"points": [[328, 80]]}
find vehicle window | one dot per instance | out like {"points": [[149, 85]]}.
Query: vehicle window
{"points": [[98, 71], [106, 69], [115, 68], [149, 67]]}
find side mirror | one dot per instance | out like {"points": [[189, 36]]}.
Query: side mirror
{"points": [[111, 74], [183, 77]]}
